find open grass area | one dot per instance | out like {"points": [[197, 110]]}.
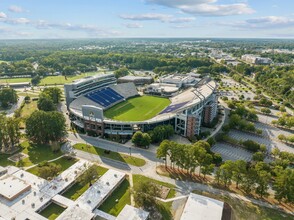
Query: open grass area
{"points": [[78, 189], [64, 162], [242, 210], [137, 109], [163, 207], [140, 178], [15, 80], [122, 194], [52, 211], [28, 109], [135, 161], [52, 80], [4, 161], [37, 153]]}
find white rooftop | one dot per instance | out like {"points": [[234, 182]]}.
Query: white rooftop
{"points": [[95, 195], [202, 208], [75, 213], [132, 213], [11, 187], [101, 189]]}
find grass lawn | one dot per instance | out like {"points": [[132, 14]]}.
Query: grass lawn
{"points": [[137, 109], [52, 211], [37, 153], [64, 162], [78, 189], [15, 80], [28, 109], [163, 207], [242, 210], [4, 161], [52, 80], [122, 193], [135, 161]]}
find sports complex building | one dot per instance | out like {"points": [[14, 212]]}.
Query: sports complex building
{"points": [[100, 106]]}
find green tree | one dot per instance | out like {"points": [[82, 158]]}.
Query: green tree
{"points": [[8, 96], [239, 171], [163, 150], [48, 170], [258, 156], [43, 127], [284, 185], [54, 93], [141, 139], [145, 194], [225, 173], [121, 72], [90, 174], [45, 103]]}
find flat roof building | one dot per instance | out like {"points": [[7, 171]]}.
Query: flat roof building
{"points": [[202, 208]]}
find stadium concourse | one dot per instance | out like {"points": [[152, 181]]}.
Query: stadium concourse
{"points": [[90, 99]]}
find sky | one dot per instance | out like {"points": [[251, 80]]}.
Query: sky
{"points": [[55, 19]]}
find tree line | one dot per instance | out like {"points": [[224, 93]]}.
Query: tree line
{"points": [[189, 157]]}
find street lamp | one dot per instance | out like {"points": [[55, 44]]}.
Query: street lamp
{"points": [[130, 151]]}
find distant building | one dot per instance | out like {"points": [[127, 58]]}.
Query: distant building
{"points": [[254, 59], [137, 80]]}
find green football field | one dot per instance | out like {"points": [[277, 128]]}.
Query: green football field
{"points": [[137, 109]]}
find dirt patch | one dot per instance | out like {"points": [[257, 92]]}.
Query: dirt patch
{"points": [[17, 157], [164, 191]]}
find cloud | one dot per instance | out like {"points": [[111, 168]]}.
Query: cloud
{"points": [[17, 21], [2, 15], [89, 29], [16, 9], [146, 17], [133, 25], [205, 7], [268, 22], [157, 17]]}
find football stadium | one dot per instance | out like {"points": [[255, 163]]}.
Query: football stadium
{"points": [[100, 106]]}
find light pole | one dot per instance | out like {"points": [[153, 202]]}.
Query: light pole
{"points": [[130, 151]]}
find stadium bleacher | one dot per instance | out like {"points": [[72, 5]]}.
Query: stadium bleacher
{"points": [[104, 97], [172, 108]]}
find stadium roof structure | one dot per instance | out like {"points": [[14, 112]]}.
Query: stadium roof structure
{"points": [[130, 77], [89, 78], [202, 208]]}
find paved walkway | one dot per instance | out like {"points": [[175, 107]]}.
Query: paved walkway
{"points": [[34, 165]]}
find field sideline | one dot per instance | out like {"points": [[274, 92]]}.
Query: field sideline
{"points": [[137, 109]]}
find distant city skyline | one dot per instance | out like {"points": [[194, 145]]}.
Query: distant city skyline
{"points": [[31, 19]]}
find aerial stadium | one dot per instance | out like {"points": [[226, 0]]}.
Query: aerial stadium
{"points": [[100, 106]]}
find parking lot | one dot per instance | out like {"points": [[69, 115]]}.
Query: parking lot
{"points": [[269, 143], [229, 152], [233, 90]]}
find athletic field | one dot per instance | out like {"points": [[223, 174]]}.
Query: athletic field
{"points": [[137, 109]]}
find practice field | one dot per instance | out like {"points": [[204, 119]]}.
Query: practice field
{"points": [[15, 80], [137, 109], [60, 80]]}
